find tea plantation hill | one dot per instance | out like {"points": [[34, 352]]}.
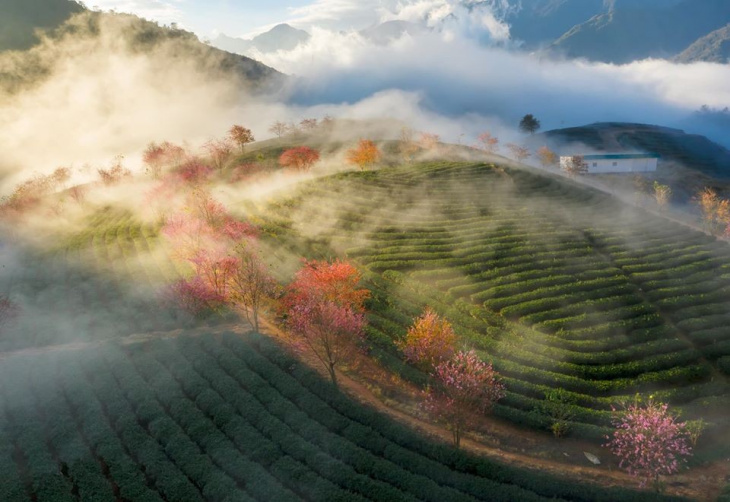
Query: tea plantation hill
{"points": [[559, 285]]}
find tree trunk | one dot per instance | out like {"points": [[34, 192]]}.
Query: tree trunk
{"points": [[457, 437], [333, 375]]}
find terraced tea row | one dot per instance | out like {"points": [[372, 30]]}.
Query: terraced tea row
{"points": [[104, 281], [560, 286], [220, 418]]}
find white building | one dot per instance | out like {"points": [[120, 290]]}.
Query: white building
{"points": [[618, 163]]}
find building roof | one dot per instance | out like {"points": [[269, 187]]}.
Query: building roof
{"points": [[620, 156]]}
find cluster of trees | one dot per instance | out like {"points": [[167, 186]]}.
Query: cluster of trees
{"points": [[30, 192], [222, 253], [463, 387], [115, 173], [649, 441], [305, 126]]}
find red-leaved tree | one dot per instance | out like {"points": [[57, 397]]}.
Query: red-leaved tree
{"points": [[649, 442], [325, 311], [429, 341], [301, 157], [464, 388]]}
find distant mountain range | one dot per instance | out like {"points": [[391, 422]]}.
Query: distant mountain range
{"points": [[615, 31], [641, 30], [284, 37], [280, 37]]}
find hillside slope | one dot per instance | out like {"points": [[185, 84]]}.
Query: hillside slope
{"points": [[688, 161], [712, 48], [559, 286], [20, 18], [96, 34], [213, 418], [630, 33]]}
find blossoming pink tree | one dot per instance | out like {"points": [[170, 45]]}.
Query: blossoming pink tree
{"points": [[325, 311], [464, 388], [649, 442], [194, 296]]}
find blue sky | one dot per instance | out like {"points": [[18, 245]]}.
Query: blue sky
{"points": [[242, 17]]}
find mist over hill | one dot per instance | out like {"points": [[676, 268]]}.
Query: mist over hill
{"points": [[281, 37]]}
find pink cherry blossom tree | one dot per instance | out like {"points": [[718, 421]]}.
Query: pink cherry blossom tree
{"points": [[325, 311], [194, 296], [649, 442], [464, 388]]}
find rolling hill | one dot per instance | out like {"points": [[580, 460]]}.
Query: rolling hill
{"points": [[116, 397], [87, 32], [559, 286], [688, 162]]}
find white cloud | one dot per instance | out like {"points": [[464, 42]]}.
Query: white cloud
{"points": [[454, 75], [156, 10]]}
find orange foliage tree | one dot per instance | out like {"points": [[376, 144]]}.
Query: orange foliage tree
{"points": [[241, 136], [547, 157], [715, 211], [429, 341], [301, 157], [365, 154]]}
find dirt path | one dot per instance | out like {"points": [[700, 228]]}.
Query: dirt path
{"points": [[502, 441]]}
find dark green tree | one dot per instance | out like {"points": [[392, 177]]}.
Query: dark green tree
{"points": [[529, 124]]}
